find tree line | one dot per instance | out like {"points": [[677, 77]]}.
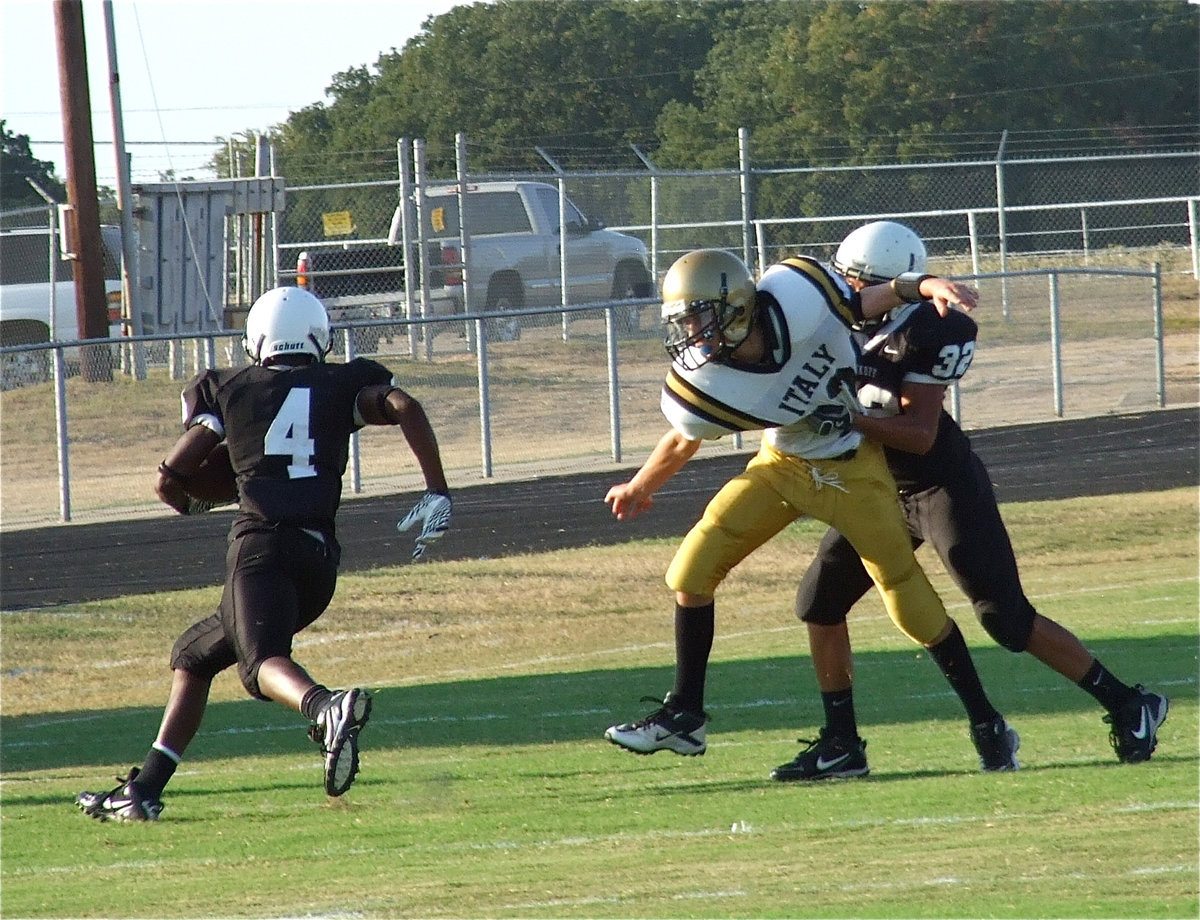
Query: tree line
{"points": [[817, 82]]}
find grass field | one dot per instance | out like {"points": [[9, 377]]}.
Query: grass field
{"points": [[488, 791]]}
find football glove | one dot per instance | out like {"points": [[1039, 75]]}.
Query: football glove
{"points": [[433, 511], [837, 418], [829, 421]]}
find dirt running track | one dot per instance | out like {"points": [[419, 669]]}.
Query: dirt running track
{"points": [[72, 563]]}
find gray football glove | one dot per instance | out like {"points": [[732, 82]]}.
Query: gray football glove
{"points": [[828, 421], [433, 511], [836, 418]]}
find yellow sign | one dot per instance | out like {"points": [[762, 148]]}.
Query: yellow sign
{"points": [[338, 223], [437, 217]]}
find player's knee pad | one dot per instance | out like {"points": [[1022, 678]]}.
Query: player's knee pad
{"points": [[202, 650], [818, 614], [248, 675], [1009, 628]]}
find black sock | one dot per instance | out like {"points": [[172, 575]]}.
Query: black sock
{"points": [[694, 628], [1101, 684], [156, 772], [839, 713], [314, 701], [954, 659]]}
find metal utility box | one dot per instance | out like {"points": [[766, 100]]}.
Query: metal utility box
{"points": [[203, 249]]}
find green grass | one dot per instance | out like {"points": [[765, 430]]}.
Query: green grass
{"points": [[487, 790]]}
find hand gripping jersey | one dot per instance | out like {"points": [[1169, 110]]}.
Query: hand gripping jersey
{"points": [[805, 313], [916, 345], [288, 431]]}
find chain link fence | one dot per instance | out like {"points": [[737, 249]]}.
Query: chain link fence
{"points": [[576, 388], [569, 395], [1125, 208]]}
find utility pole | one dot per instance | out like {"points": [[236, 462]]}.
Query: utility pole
{"points": [[83, 231]]}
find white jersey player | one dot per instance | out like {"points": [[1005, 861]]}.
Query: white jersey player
{"points": [[776, 357]]}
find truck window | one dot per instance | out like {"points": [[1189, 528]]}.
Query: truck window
{"points": [[547, 200], [487, 213]]}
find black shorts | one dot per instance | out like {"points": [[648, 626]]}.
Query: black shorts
{"points": [[279, 579]]}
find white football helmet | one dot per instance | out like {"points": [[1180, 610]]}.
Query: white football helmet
{"points": [[708, 306], [879, 251], [287, 321]]}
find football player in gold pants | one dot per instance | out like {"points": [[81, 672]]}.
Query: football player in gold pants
{"points": [[777, 356]]}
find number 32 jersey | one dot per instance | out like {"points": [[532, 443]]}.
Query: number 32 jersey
{"points": [[288, 430], [916, 345]]}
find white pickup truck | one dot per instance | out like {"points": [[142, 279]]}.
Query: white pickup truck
{"points": [[514, 258], [25, 257]]}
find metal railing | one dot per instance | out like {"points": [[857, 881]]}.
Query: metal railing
{"points": [[574, 390]]}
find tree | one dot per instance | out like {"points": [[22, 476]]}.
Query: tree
{"points": [[17, 165], [817, 83], [579, 79], [838, 82]]}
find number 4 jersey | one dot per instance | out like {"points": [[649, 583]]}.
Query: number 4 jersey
{"points": [[916, 345], [288, 430]]}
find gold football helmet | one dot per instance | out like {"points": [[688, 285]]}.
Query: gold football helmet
{"points": [[708, 306]]}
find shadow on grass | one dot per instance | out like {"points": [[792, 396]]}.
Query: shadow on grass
{"points": [[765, 694]]}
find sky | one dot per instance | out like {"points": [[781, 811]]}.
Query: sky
{"points": [[191, 71]]}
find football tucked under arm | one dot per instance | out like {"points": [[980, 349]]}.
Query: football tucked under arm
{"points": [[214, 481], [210, 484]]}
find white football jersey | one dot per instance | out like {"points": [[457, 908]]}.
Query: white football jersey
{"points": [[811, 362]]}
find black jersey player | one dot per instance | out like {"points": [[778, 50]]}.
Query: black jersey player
{"points": [[286, 420], [908, 360]]}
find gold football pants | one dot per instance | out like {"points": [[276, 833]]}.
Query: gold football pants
{"points": [[855, 495]]}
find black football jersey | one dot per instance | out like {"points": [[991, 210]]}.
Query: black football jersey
{"points": [[915, 344], [288, 430]]}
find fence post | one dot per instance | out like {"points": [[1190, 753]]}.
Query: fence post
{"points": [[1160, 364], [355, 458], [564, 297], [60, 430], [1056, 345], [406, 235], [1002, 223], [973, 234], [1194, 236], [614, 389], [481, 357], [419, 169], [744, 176], [653, 211], [1083, 229]]}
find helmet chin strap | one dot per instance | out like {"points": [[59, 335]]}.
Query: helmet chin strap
{"points": [[320, 354], [255, 350]]}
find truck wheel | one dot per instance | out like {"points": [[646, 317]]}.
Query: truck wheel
{"points": [[629, 282], [505, 294], [26, 367]]}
